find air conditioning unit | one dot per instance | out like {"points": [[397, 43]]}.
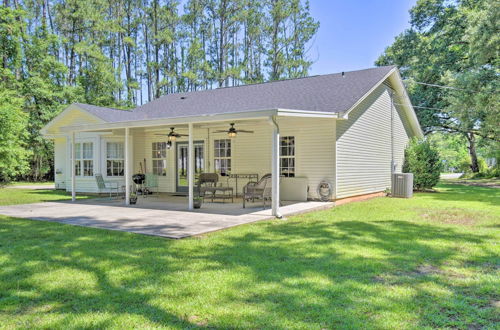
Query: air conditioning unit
{"points": [[402, 185]]}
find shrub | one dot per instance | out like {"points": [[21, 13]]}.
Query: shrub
{"points": [[423, 161]]}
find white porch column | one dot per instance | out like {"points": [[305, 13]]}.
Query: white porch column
{"points": [[127, 167], [275, 169], [72, 164], [190, 167]]}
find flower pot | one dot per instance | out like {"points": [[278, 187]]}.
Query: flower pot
{"points": [[197, 203], [133, 200]]}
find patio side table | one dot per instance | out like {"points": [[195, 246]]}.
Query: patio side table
{"points": [[236, 176]]}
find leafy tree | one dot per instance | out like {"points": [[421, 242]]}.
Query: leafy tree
{"points": [[423, 161], [122, 53], [452, 43], [13, 154]]}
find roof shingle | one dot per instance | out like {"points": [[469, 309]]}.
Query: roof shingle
{"points": [[325, 93]]}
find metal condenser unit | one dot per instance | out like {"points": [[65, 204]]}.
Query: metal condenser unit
{"points": [[402, 185]]}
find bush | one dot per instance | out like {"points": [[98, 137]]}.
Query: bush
{"points": [[423, 161]]}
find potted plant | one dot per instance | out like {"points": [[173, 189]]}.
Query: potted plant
{"points": [[197, 201], [133, 198]]}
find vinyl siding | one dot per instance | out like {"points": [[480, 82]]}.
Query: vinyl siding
{"points": [[60, 163], [364, 149], [73, 117], [251, 153]]}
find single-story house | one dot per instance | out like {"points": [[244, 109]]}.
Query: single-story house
{"points": [[345, 131]]}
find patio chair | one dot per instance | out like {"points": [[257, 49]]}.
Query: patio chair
{"points": [[258, 190], [150, 184], [106, 185]]}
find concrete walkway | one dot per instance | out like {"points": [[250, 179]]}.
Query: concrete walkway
{"points": [[173, 222]]}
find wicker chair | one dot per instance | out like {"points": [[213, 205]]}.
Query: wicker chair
{"points": [[258, 190], [207, 183]]}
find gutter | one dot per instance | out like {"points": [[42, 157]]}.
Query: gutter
{"points": [[264, 113]]}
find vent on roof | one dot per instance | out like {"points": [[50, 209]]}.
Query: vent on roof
{"points": [[343, 74], [183, 97]]}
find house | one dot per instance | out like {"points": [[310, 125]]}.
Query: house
{"points": [[346, 130]]}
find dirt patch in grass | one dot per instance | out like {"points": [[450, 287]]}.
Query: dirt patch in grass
{"points": [[420, 272], [455, 216]]}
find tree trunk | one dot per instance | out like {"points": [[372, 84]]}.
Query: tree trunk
{"points": [[471, 138]]}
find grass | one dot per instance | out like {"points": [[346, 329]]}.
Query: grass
{"points": [[10, 196], [30, 183], [428, 262]]}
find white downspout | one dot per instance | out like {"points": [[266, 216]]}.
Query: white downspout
{"points": [[190, 167], [275, 168]]}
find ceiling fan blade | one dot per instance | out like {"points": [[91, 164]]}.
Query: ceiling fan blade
{"points": [[161, 134], [182, 134], [220, 131], [244, 131]]}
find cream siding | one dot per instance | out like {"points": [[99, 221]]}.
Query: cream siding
{"points": [[251, 153], [60, 163], [364, 149], [72, 117]]}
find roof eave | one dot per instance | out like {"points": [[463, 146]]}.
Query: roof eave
{"points": [[264, 113], [74, 106]]}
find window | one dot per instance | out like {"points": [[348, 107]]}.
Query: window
{"points": [[222, 156], [84, 158], [287, 157], [159, 156], [115, 159]]}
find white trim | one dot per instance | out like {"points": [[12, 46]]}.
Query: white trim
{"points": [[73, 170], [275, 168], [127, 166], [61, 115], [190, 167], [306, 113], [409, 109], [358, 102], [173, 121]]}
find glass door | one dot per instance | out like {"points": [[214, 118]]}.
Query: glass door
{"points": [[182, 164]]}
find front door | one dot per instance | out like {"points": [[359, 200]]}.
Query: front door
{"points": [[182, 164]]}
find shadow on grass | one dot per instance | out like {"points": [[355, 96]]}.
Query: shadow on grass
{"points": [[272, 275]]}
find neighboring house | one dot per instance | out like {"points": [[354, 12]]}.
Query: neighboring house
{"points": [[348, 129]]}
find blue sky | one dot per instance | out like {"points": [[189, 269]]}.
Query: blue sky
{"points": [[353, 33]]}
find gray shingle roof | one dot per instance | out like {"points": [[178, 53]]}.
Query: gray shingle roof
{"points": [[106, 114], [325, 93]]}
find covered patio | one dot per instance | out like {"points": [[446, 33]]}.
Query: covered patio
{"points": [[164, 216], [256, 149]]}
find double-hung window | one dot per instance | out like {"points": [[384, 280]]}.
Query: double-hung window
{"points": [[222, 156], [115, 159], [84, 159], [287, 156], [159, 156]]}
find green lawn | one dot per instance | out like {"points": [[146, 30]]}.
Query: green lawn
{"points": [[10, 196], [431, 261], [26, 183]]}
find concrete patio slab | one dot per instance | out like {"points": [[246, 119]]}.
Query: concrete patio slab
{"points": [[150, 216]]}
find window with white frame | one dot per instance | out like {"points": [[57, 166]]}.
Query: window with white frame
{"points": [[115, 159], [222, 156], [287, 156], [84, 159], [159, 156]]}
